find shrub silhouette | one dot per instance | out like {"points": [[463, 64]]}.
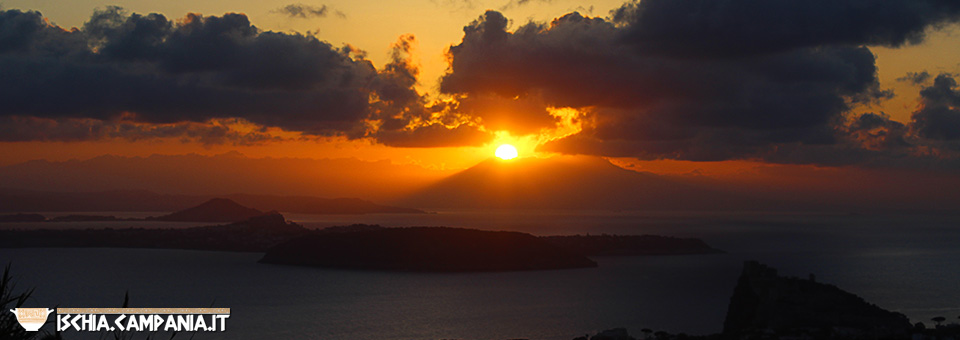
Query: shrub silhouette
{"points": [[9, 326]]}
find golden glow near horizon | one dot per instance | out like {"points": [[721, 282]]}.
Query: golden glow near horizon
{"points": [[506, 152]]}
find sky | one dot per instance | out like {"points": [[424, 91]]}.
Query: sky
{"points": [[371, 26], [728, 89]]}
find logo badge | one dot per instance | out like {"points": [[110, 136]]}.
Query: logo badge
{"points": [[32, 318]]}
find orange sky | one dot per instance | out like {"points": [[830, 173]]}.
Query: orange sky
{"points": [[373, 26]]}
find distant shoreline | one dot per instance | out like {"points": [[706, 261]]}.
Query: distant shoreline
{"points": [[262, 233]]}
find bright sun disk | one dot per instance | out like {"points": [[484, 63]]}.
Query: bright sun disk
{"points": [[506, 151]]}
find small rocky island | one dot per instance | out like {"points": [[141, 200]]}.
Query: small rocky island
{"points": [[427, 249], [213, 210]]}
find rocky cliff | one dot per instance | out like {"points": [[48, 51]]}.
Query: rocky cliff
{"points": [[764, 303]]}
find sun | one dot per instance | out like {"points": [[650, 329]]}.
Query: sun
{"points": [[506, 151]]}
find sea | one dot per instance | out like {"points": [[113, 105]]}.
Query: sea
{"points": [[909, 263]]}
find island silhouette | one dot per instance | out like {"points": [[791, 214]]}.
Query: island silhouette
{"points": [[434, 249], [367, 247], [214, 210], [17, 201]]}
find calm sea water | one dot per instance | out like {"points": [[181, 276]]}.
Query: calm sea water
{"points": [[906, 263]]}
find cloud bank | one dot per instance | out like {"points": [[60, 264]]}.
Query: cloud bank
{"points": [[714, 80], [700, 80], [150, 69]]}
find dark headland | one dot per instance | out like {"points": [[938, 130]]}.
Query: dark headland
{"points": [[764, 302], [767, 306]]}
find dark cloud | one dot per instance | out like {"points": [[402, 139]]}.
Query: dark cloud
{"points": [[199, 69], [876, 131], [434, 135], [456, 5], [302, 11], [654, 106], [18, 129], [406, 117], [396, 96], [710, 28], [916, 78], [679, 79], [520, 115], [150, 69], [520, 3], [701, 80], [939, 115]]}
